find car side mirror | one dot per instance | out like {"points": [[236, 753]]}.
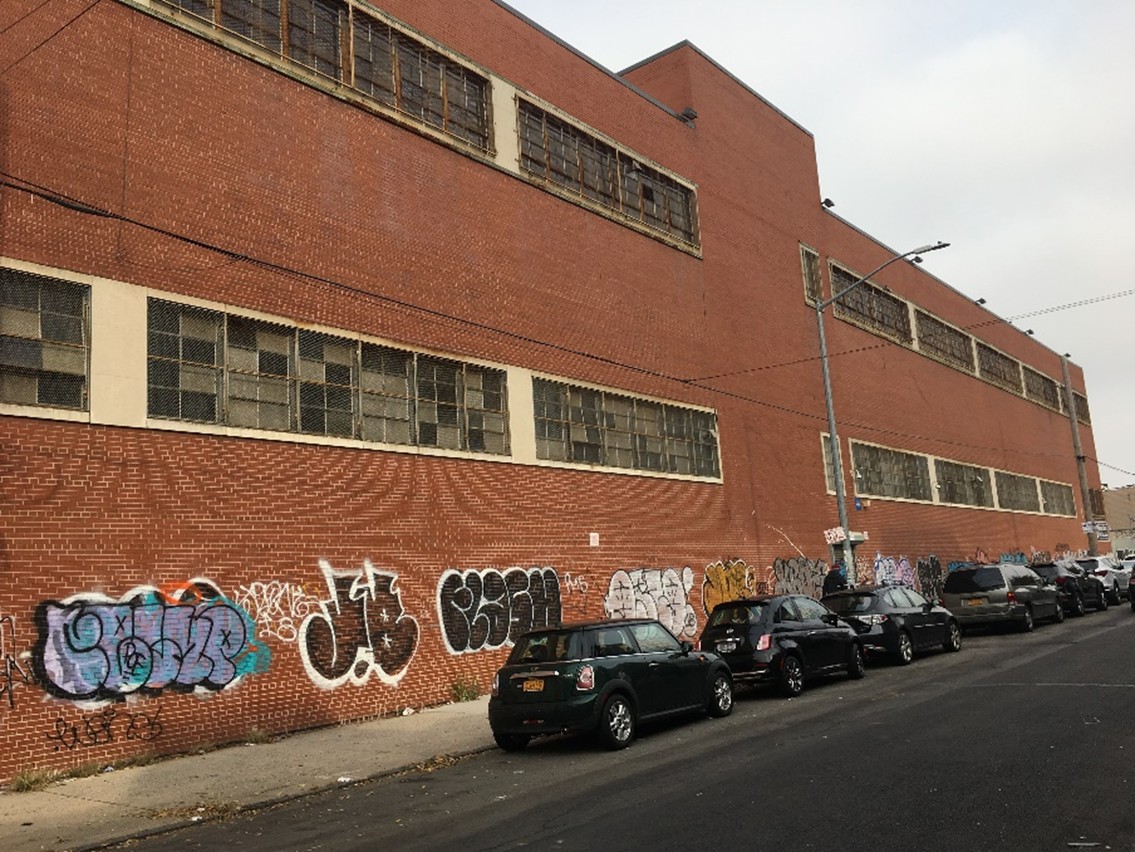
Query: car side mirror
{"points": [[687, 646]]}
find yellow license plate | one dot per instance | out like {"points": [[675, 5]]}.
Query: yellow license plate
{"points": [[533, 685], [974, 601]]}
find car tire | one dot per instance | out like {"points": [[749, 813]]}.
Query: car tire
{"points": [[855, 666], [1058, 616], [905, 653], [1116, 598], [1078, 608], [617, 723], [1102, 604], [1027, 622], [511, 742], [953, 637], [720, 696], [791, 677]]}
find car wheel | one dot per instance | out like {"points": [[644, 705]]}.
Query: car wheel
{"points": [[511, 742], [1115, 598], [720, 696], [905, 652], [1058, 616], [1101, 605], [1078, 607], [791, 676], [1027, 623], [617, 725], [855, 667], [1132, 599], [953, 637]]}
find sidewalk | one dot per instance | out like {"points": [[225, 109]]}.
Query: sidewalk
{"points": [[86, 813]]}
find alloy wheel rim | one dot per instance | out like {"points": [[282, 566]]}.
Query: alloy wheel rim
{"points": [[723, 693], [620, 721]]}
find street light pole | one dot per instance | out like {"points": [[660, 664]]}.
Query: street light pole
{"points": [[833, 437]]}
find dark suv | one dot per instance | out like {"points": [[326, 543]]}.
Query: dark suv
{"points": [[605, 677], [1006, 592], [1076, 587], [782, 639]]}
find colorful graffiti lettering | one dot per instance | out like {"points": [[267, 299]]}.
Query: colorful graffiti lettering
{"points": [[660, 593], [888, 569], [360, 630], [276, 607], [99, 729], [487, 609], [91, 647], [728, 580]]}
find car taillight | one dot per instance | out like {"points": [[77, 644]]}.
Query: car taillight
{"points": [[1060, 580], [1011, 597], [873, 619], [585, 680], [765, 642], [496, 684]]}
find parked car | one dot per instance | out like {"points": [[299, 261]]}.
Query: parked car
{"points": [[1131, 592], [895, 620], [1077, 589], [1003, 593], [604, 677], [782, 639], [1114, 576]]}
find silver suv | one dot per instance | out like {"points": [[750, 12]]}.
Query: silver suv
{"points": [[987, 594]]}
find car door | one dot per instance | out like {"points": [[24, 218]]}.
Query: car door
{"points": [[825, 641], [931, 624], [673, 679]]}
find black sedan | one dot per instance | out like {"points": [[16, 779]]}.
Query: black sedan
{"points": [[896, 621], [1076, 587], [782, 639]]}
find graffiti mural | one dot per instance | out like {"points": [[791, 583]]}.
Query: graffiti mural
{"points": [[100, 729], [1016, 557], [888, 569], [799, 576], [574, 584], [150, 640], [486, 609], [930, 577], [277, 608], [359, 631], [12, 672], [729, 580], [660, 593]]}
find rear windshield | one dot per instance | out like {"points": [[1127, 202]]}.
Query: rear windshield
{"points": [[848, 604], [974, 580], [557, 646], [1049, 571], [739, 613]]}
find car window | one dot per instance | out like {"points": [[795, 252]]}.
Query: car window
{"points": [[737, 614], [974, 580], [849, 604], [1047, 570], [1023, 577], [809, 609], [896, 598], [654, 638], [787, 611], [915, 598], [612, 641], [546, 647]]}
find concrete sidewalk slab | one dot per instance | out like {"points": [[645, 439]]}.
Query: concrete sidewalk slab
{"points": [[85, 813]]}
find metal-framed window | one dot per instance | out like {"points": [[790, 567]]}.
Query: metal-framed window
{"points": [[44, 341], [589, 426], [1040, 388], [1057, 498], [998, 368], [813, 283], [944, 341], [871, 307], [882, 472], [963, 484], [560, 153], [1083, 415], [1017, 492], [184, 367]]}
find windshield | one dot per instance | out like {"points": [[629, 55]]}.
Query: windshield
{"points": [[1049, 571], [738, 613], [849, 604], [974, 580], [557, 646]]}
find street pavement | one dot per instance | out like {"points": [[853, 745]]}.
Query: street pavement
{"points": [[114, 806]]}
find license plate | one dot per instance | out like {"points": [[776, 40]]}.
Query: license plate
{"points": [[533, 685], [973, 601], [727, 647]]}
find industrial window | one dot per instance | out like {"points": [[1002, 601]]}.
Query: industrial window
{"points": [[813, 284], [1040, 388], [1081, 403], [1095, 502], [569, 157], [1017, 492], [881, 472], [589, 426], [944, 342], [829, 462], [998, 368], [44, 341], [871, 307], [209, 367], [963, 484], [1057, 498]]}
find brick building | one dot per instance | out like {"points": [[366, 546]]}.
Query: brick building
{"points": [[339, 342]]}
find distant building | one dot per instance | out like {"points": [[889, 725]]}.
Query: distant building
{"points": [[1119, 512], [341, 342]]}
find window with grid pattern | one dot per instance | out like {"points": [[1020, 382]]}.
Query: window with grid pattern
{"points": [[614, 430], [944, 341], [1057, 498], [1017, 492], [327, 379], [963, 484], [1040, 388], [184, 346], [998, 368], [871, 307], [569, 157], [881, 472], [813, 284], [44, 341], [1082, 414]]}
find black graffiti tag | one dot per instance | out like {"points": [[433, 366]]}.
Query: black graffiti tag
{"points": [[486, 609]]}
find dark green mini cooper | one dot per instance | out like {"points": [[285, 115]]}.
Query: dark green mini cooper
{"points": [[605, 677]]}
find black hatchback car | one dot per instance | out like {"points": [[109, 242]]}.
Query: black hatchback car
{"points": [[782, 639], [1076, 587], [603, 677], [896, 620]]}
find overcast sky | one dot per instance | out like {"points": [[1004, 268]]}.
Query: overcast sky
{"points": [[1004, 127]]}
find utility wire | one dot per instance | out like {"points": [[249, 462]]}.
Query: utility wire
{"points": [[49, 38]]}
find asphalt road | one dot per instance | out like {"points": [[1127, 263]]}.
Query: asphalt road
{"points": [[1020, 741]]}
